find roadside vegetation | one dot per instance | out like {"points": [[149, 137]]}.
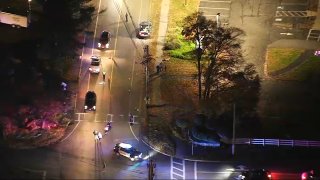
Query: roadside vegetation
{"points": [[34, 108], [176, 45], [308, 71], [279, 58], [224, 75]]}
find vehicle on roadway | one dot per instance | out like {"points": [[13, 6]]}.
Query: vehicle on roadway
{"points": [[90, 101], [104, 40], [313, 174], [95, 64], [255, 174], [128, 151], [144, 29]]}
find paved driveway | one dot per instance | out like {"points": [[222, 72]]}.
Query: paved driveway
{"points": [[210, 8]]}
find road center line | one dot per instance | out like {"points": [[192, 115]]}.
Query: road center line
{"points": [[115, 47]]}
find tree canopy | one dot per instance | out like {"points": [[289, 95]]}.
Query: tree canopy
{"points": [[227, 78]]}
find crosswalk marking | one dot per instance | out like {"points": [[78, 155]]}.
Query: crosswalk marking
{"points": [[176, 171], [108, 117]]}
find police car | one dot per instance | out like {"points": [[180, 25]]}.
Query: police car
{"points": [[144, 30], [128, 151]]}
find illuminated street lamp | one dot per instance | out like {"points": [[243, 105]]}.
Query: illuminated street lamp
{"points": [[217, 19]]}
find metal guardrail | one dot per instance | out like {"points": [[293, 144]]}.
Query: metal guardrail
{"points": [[277, 142]]}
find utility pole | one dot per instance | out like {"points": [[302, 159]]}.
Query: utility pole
{"points": [[145, 62], [151, 170], [233, 128]]}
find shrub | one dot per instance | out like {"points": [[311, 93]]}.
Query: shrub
{"points": [[171, 45]]}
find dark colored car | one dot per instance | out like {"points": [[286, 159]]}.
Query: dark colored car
{"points": [[144, 29], [128, 151], [313, 174], [255, 174], [104, 40], [90, 101]]}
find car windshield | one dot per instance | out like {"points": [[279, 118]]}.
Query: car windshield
{"points": [[144, 28], [95, 62], [105, 35], [90, 98]]}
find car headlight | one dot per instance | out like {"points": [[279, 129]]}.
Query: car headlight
{"points": [[99, 44], [85, 107], [90, 69], [94, 107]]}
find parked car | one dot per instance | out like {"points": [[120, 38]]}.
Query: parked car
{"points": [[95, 64], [128, 151], [144, 29], [104, 40], [90, 101], [255, 174], [313, 174]]}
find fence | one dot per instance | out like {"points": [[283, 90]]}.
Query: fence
{"points": [[277, 142]]}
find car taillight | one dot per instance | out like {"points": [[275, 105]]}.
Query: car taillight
{"points": [[303, 176]]}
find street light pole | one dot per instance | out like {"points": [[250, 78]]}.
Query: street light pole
{"points": [[217, 19], [233, 128], [199, 54], [145, 62], [29, 11]]}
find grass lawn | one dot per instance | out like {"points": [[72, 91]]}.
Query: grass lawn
{"points": [[178, 11], [279, 58], [155, 18], [304, 71], [179, 83]]}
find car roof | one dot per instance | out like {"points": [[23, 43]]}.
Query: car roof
{"points": [[95, 58], [91, 93], [146, 23], [124, 145]]}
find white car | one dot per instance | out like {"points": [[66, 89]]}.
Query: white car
{"points": [[95, 64], [144, 29], [128, 151]]}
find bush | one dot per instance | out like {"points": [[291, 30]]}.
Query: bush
{"points": [[200, 119], [211, 136], [171, 45]]}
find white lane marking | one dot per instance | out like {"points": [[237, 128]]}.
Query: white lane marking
{"points": [[81, 59], [75, 102], [114, 51], [171, 170], [88, 84], [95, 28], [71, 132], [133, 133], [195, 170]]}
